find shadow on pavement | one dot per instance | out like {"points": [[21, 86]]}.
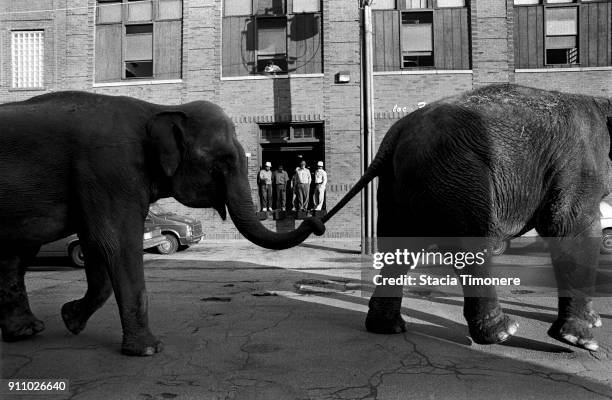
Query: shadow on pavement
{"points": [[255, 347]]}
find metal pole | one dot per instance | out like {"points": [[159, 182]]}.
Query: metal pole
{"points": [[362, 147], [369, 136]]}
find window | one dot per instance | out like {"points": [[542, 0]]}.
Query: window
{"points": [[272, 43], [306, 6], [139, 51], [138, 39], [553, 33], [408, 4], [383, 4], [271, 36], [417, 39], [308, 132], [415, 4], [561, 35], [27, 54], [269, 7], [305, 132], [237, 7], [420, 34], [451, 3], [273, 133], [139, 10]]}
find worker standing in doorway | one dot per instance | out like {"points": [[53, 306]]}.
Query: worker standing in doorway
{"points": [[320, 184], [264, 182], [280, 180], [302, 181]]}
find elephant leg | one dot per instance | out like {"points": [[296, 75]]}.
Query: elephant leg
{"points": [[76, 313], [16, 318], [384, 313], [487, 323], [575, 261], [122, 256]]}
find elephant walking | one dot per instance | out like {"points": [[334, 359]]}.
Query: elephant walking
{"points": [[489, 165], [75, 162]]}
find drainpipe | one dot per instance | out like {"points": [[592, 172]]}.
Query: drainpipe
{"points": [[369, 207]]}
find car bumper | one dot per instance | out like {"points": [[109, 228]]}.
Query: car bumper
{"points": [[153, 242], [190, 240]]}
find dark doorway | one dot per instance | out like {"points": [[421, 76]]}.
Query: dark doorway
{"points": [[290, 156]]}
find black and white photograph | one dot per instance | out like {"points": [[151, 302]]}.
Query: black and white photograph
{"points": [[306, 199]]}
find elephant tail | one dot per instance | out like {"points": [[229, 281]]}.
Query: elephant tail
{"points": [[384, 154]]}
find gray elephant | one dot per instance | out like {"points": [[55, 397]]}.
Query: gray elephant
{"points": [[489, 165], [75, 162]]}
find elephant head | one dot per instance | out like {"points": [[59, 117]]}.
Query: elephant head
{"points": [[200, 162]]}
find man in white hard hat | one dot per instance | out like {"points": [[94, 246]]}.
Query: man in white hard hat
{"points": [[264, 182], [320, 177]]}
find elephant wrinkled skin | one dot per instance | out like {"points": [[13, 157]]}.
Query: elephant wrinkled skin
{"points": [[489, 165], [75, 162]]}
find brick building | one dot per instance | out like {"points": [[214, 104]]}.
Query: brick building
{"points": [[173, 51]]}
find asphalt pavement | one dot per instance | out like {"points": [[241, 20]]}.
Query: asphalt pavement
{"points": [[241, 322]]}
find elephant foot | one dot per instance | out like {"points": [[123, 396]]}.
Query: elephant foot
{"points": [[495, 328], [21, 328], [384, 316], [576, 331], [143, 346], [591, 316], [72, 313], [594, 320]]}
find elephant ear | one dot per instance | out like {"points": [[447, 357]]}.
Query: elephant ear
{"points": [[166, 132]]}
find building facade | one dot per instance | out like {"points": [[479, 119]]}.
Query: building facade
{"points": [[288, 72]]}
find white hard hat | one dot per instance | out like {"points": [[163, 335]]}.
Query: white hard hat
{"points": [[268, 164], [320, 163]]}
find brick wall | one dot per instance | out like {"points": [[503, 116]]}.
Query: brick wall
{"points": [[490, 49], [69, 64], [28, 16], [596, 82]]}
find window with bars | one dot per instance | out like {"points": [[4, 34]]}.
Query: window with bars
{"points": [[138, 39], [554, 33], [271, 36], [27, 57], [420, 34]]}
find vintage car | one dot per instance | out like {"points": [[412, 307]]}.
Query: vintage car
{"points": [[180, 231], [70, 246]]}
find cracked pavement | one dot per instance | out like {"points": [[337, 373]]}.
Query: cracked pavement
{"points": [[234, 327]]}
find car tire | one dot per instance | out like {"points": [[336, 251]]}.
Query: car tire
{"points": [[500, 248], [170, 246], [75, 252], [606, 241]]}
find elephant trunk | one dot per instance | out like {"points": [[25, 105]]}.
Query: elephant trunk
{"points": [[242, 212]]}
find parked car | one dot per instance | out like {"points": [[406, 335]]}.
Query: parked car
{"points": [[605, 211], [70, 246], [180, 231]]}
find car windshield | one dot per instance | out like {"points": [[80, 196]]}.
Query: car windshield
{"points": [[158, 210]]}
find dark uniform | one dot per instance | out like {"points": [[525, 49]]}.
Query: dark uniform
{"points": [[280, 178]]}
